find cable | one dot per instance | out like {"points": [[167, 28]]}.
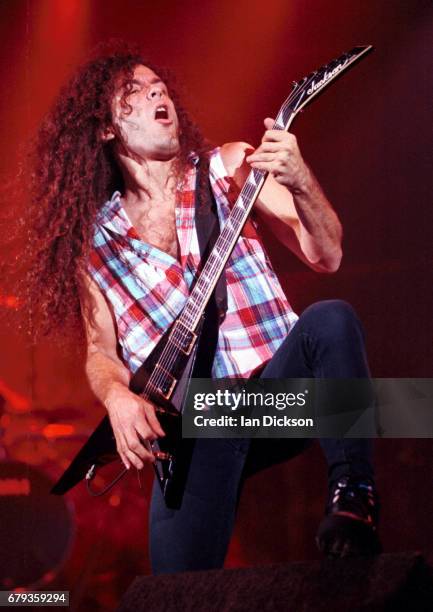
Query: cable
{"points": [[91, 474]]}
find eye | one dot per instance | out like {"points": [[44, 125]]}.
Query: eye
{"points": [[131, 88]]}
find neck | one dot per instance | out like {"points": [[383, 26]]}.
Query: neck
{"points": [[149, 179]]}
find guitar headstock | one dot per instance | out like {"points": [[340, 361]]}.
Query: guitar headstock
{"points": [[313, 84]]}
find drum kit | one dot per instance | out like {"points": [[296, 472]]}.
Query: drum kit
{"points": [[36, 528], [38, 546]]}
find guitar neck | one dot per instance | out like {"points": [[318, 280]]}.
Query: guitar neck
{"points": [[222, 250]]}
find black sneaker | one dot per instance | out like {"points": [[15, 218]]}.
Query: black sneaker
{"points": [[349, 528]]}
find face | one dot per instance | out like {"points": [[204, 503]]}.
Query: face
{"points": [[148, 123]]}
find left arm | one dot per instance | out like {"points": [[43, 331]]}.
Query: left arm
{"points": [[291, 202]]}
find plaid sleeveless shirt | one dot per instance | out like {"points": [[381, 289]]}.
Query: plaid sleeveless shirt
{"points": [[147, 288]]}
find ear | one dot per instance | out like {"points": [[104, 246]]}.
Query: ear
{"points": [[107, 134]]}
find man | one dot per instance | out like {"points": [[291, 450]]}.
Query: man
{"points": [[132, 259]]}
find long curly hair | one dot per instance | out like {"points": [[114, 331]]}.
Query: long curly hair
{"points": [[74, 173]]}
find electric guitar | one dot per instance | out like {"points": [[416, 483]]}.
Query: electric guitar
{"points": [[164, 376]]}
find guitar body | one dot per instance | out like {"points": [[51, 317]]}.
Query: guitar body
{"points": [[171, 472], [100, 448]]}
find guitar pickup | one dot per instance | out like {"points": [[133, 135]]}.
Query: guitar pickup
{"points": [[183, 338], [166, 385]]}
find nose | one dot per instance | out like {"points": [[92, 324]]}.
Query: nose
{"points": [[155, 91]]}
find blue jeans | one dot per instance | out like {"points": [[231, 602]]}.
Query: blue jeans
{"points": [[326, 342]]}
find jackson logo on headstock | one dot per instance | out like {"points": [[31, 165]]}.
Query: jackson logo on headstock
{"points": [[328, 75]]}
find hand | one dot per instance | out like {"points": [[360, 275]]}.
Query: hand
{"points": [[279, 155], [134, 424]]}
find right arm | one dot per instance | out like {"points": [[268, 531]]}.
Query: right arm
{"points": [[131, 416]]}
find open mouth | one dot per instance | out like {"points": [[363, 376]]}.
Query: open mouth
{"points": [[161, 112]]}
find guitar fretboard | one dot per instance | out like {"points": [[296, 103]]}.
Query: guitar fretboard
{"points": [[223, 248]]}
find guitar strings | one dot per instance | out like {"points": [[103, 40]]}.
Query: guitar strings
{"points": [[183, 333], [169, 354]]}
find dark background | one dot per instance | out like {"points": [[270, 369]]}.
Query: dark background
{"points": [[368, 139]]}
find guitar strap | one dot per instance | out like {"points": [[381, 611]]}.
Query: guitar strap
{"points": [[208, 230]]}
